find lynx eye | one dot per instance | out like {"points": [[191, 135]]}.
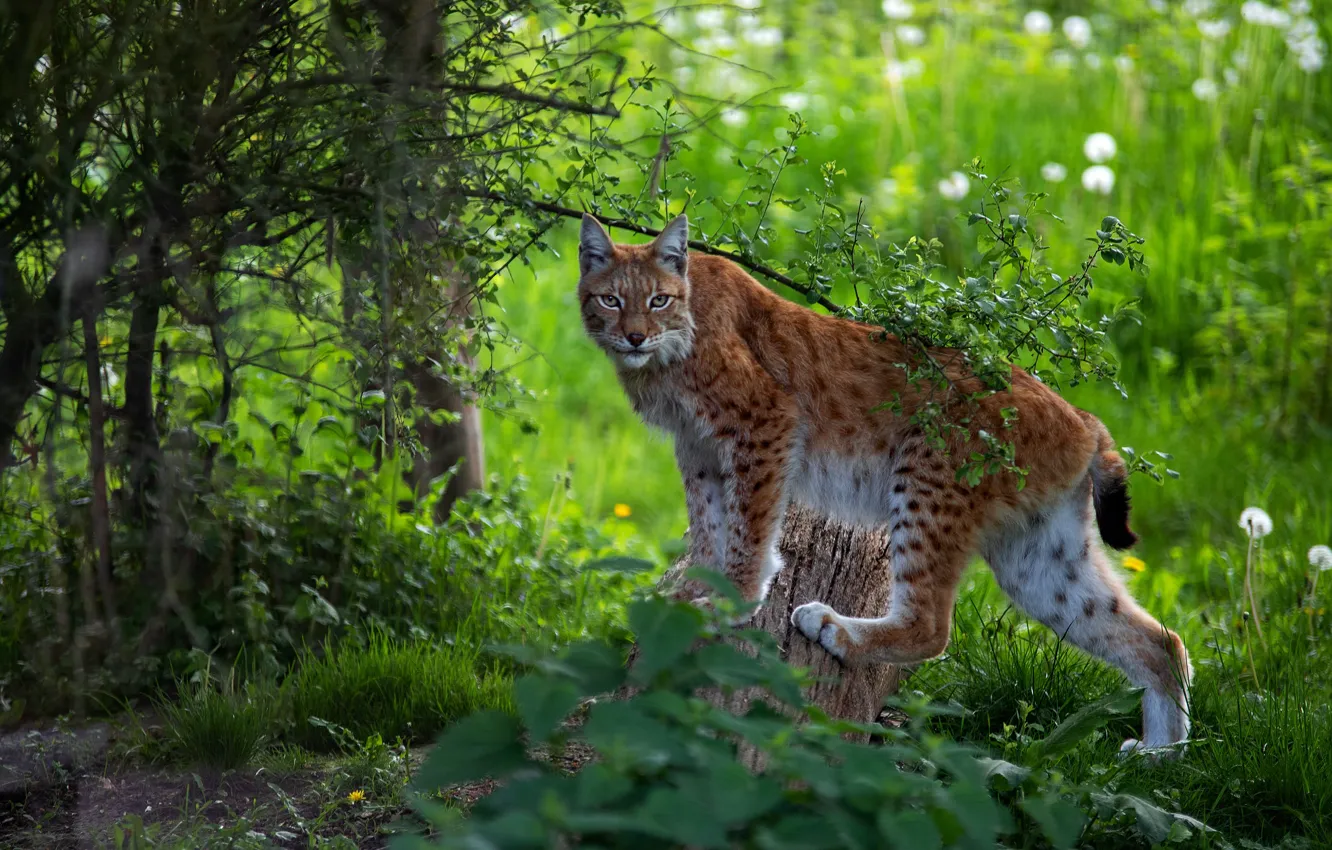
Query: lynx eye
{"points": [[659, 301], [609, 301]]}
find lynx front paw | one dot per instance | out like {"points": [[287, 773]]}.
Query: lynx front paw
{"points": [[818, 622]]}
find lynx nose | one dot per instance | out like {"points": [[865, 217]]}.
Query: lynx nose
{"points": [[635, 339]]}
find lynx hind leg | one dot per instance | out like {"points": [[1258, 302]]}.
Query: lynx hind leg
{"points": [[932, 535], [1055, 569]]}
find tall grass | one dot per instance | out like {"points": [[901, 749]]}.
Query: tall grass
{"points": [[392, 689]]}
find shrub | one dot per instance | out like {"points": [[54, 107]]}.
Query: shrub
{"points": [[394, 689], [669, 774]]}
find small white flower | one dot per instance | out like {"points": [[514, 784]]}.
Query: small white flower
{"points": [[1255, 522], [1099, 179], [1260, 14], [1124, 64], [683, 74], [1093, 61], [734, 118], [1099, 147], [1037, 22], [794, 100], [1299, 7], [1196, 8], [1240, 58], [1215, 30], [1321, 557], [954, 187], [747, 4], [1053, 172], [749, 21], [1231, 76], [1302, 32], [1077, 30], [897, 71], [910, 34], [1311, 62], [1205, 89], [672, 24], [1061, 58], [764, 36], [709, 18], [897, 10]]}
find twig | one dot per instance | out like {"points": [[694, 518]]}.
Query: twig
{"points": [[697, 244]]}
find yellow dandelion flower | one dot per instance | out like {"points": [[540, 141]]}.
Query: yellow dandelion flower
{"points": [[1137, 565], [356, 796], [623, 511]]}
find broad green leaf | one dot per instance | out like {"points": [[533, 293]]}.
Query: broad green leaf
{"points": [[664, 632], [486, 744], [1077, 726], [1060, 820], [620, 564], [543, 701]]}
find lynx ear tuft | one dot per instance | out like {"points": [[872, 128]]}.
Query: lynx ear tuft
{"points": [[672, 245], [594, 246]]}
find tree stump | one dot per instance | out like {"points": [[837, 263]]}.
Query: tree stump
{"points": [[845, 567]]}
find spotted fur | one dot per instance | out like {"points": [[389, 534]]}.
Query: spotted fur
{"points": [[770, 402]]}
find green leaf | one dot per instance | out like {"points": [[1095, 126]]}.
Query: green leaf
{"points": [[543, 701], [664, 631], [909, 830], [486, 744], [1003, 775], [1084, 721], [1060, 820]]}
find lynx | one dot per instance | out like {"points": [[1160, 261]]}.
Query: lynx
{"points": [[771, 403]]}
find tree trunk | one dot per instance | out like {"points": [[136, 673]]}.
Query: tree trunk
{"points": [[841, 566], [446, 443]]}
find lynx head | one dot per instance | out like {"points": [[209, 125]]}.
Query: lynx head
{"points": [[635, 298]]}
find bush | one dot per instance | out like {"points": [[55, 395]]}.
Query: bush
{"points": [[393, 689], [669, 775]]}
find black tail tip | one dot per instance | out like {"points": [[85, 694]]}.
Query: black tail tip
{"points": [[1112, 515]]}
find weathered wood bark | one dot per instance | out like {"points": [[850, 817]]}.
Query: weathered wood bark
{"points": [[841, 566]]}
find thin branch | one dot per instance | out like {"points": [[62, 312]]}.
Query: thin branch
{"points": [[697, 244]]}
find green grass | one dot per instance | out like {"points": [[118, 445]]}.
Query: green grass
{"points": [[391, 689], [218, 728]]}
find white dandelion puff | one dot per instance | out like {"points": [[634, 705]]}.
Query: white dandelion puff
{"points": [[910, 34], [1037, 22], [1053, 172], [888, 187], [897, 10], [1124, 64], [1099, 179], [794, 100], [896, 71], [1215, 30], [1093, 61], [1256, 523], [710, 18], [1311, 61], [1205, 89], [734, 118], [747, 4], [1231, 76], [1321, 557], [1260, 14], [1061, 58], [1195, 8], [764, 36], [1099, 147], [954, 187], [1077, 30]]}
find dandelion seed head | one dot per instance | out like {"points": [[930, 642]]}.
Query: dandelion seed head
{"points": [[709, 18], [910, 34], [1205, 89], [1124, 64], [1078, 30], [955, 186], [1037, 22], [1255, 522], [734, 117], [1100, 147], [898, 10], [1053, 172], [1260, 14], [1321, 557], [1099, 179], [1214, 30], [764, 36], [794, 100]]}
